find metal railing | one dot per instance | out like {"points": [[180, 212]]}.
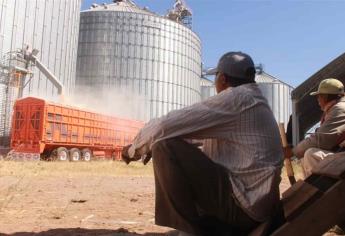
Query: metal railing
{"points": [[12, 73]]}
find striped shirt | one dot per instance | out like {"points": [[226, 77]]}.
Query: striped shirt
{"points": [[239, 133]]}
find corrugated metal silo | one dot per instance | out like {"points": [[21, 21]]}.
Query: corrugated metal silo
{"points": [[126, 50], [278, 95], [207, 88], [52, 27]]}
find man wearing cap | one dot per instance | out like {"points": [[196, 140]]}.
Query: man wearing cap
{"points": [[231, 185], [326, 139]]}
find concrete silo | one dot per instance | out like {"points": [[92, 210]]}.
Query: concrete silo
{"points": [[51, 27], [129, 51]]}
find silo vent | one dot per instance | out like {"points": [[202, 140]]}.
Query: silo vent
{"points": [[181, 13], [259, 68]]}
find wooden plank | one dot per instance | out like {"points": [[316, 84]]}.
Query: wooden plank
{"points": [[321, 215], [292, 189], [287, 161], [298, 198], [332, 166], [322, 182]]}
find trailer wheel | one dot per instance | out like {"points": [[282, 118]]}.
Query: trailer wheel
{"points": [[75, 154], [86, 154], [62, 154], [115, 156]]}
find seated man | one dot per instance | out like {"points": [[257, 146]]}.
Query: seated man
{"points": [[326, 139], [233, 184]]}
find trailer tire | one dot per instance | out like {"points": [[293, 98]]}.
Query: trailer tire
{"points": [[74, 154], [115, 156], [62, 154], [86, 154]]}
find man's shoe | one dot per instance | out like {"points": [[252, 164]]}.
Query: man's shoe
{"points": [[178, 233], [181, 233]]}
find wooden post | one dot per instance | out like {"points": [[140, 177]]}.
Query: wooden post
{"points": [[287, 162]]}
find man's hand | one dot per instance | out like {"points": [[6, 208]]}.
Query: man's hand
{"points": [[125, 156], [145, 159]]}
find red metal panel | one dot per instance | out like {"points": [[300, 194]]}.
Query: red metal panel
{"points": [[42, 124], [27, 128]]}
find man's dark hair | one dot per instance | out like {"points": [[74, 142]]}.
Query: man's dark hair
{"points": [[234, 82]]}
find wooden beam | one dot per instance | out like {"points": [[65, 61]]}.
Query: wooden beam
{"points": [[327, 211]]}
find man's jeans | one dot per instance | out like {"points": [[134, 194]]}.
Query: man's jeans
{"points": [[193, 193]]}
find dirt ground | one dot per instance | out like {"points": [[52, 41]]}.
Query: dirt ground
{"points": [[97, 198]]}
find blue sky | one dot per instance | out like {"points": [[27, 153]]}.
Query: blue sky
{"points": [[292, 39]]}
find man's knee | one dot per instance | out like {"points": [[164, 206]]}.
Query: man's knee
{"points": [[310, 153], [316, 154], [174, 149], [163, 146], [164, 149], [312, 158]]}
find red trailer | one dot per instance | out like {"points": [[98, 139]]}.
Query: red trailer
{"points": [[42, 129]]}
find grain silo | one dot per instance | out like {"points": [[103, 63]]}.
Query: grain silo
{"points": [[207, 88], [51, 27], [278, 95], [130, 51]]}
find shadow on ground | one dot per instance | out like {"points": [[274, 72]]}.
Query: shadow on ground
{"points": [[83, 232]]}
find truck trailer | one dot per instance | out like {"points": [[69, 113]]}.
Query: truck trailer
{"points": [[46, 130]]}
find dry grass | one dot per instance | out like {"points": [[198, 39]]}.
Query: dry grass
{"points": [[96, 168]]}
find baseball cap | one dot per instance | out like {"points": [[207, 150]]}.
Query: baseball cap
{"points": [[236, 64], [329, 86]]}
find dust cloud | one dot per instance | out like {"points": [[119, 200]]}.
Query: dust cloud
{"points": [[109, 101]]}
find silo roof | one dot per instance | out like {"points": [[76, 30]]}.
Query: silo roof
{"points": [[120, 6], [260, 77], [263, 77], [307, 107], [206, 82]]}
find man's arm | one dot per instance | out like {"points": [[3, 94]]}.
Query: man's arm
{"points": [[327, 136], [199, 121]]}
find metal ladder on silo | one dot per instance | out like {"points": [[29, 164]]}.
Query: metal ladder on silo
{"points": [[12, 78]]}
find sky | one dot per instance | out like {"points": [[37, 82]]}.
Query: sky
{"points": [[292, 39]]}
